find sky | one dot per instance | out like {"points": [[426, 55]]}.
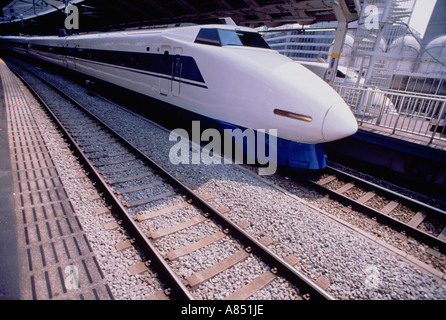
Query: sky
{"points": [[421, 14]]}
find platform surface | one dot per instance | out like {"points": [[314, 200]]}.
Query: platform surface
{"points": [[45, 253], [9, 277], [438, 143]]}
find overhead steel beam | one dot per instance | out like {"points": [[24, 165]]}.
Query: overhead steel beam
{"points": [[126, 13]]}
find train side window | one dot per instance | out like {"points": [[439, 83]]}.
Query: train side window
{"points": [[81, 53], [132, 62], [147, 62], [208, 36]]}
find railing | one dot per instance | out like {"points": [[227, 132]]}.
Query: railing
{"points": [[414, 113]]}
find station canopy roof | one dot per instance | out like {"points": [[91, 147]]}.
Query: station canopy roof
{"points": [[113, 14]]}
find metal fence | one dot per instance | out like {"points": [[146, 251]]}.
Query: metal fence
{"points": [[414, 113]]}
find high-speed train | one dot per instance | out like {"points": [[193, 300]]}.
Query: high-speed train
{"points": [[224, 73]]}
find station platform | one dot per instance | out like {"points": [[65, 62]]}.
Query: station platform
{"points": [[44, 252], [422, 141]]}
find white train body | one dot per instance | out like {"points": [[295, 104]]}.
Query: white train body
{"points": [[224, 73]]}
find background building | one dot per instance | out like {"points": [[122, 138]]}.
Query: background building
{"points": [[305, 43], [388, 56]]}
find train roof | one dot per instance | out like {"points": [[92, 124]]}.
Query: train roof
{"points": [[211, 34], [185, 33]]}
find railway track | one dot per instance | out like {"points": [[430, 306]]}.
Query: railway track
{"points": [[408, 216], [131, 182]]}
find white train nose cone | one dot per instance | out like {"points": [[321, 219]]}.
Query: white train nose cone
{"points": [[339, 122]]}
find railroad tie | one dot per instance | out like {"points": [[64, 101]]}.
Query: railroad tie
{"points": [[442, 235], [175, 254], [259, 282], [139, 187], [417, 219], [126, 244], [142, 202], [161, 212], [389, 207], [119, 170], [255, 285], [131, 178], [345, 187], [326, 180], [369, 195], [159, 295], [189, 223], [117, 161], [197, 278], [139, 268]]}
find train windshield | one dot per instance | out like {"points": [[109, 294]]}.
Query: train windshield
{"points": [[224, 37]]}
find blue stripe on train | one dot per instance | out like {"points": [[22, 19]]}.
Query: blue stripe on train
{"points": [[290, 153]]}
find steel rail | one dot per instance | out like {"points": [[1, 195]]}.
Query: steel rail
{"points": [[394, 223], [305, 285], [441, 214]]}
